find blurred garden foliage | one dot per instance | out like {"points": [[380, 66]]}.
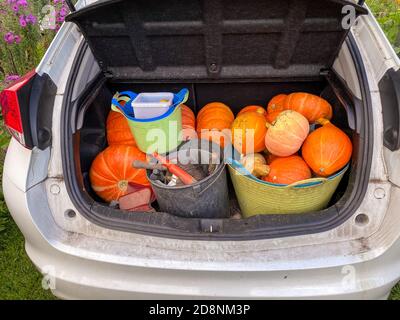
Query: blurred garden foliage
{"points": [[387, 12], [26, 29]]}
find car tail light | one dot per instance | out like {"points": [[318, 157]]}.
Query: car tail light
{"points": [[14, 101]]}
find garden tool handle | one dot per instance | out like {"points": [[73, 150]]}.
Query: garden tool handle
{"points": [[148, 166], [185, 177]]}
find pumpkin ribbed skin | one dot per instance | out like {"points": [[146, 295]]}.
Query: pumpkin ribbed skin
{"points": [[309, 105], [253, 124], [188, 117], [288, 170], [213, 120], [112, 170], [276, 103], [327, 150], [118, 131], [253, 108], [188, 123], [286, 135], [214, 110]]}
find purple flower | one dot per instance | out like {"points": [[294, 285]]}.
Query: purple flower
{"points": [[22, 3], [15, 7], [17, 39], [9, 38], [12, 77], [31, 19], [63, 11], [11, 1], [22, 21]]}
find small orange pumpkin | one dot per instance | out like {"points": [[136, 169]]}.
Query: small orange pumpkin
{"points": [[188, 133], [276, 103], [327, 149], [214, 121], [288, 170], [118, 131], [248, 132], [309, 105], [188, 117], [188, 123], [253, 108], [286, 135], [112, 171]]}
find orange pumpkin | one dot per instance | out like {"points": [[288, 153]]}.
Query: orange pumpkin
{"points": [[188, 117], [220, 137], [112, 171], [248, 132], [118, 131], [214, 121], [214, 110], [188, 133], [253, 108], [271, 117], [327, 150], [288, 170], [276, 103], [309, 105], [286, 135]]}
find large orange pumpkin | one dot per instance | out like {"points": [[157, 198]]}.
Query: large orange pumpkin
{"points": [[248, 132], [253, 108], [214, 121], [118, 131], [276, 103], [112, 171], [327, 150], [214, 110], [309, 105], [288, 170], [286, 135]]}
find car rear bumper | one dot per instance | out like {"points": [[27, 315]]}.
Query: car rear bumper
{"points": [[74, 277]]}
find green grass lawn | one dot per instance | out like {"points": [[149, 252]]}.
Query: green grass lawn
{"points": [[18, 277]]}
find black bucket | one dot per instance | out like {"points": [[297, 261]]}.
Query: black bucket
{"points": [[207, 198]]}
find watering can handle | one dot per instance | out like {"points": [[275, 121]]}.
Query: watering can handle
{"points": [[182, 96], [313, 181], [123, 96]]}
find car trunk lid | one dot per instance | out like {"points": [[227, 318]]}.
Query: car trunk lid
{"points": [[215, 39]]}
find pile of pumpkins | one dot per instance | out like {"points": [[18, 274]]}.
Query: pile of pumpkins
{"points": [[278, 134]]}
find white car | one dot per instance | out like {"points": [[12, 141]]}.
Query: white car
{"points": [[238, 52]]}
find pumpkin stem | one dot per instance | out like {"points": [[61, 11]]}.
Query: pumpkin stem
{"points": [[322, 121], [123, 185]]}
